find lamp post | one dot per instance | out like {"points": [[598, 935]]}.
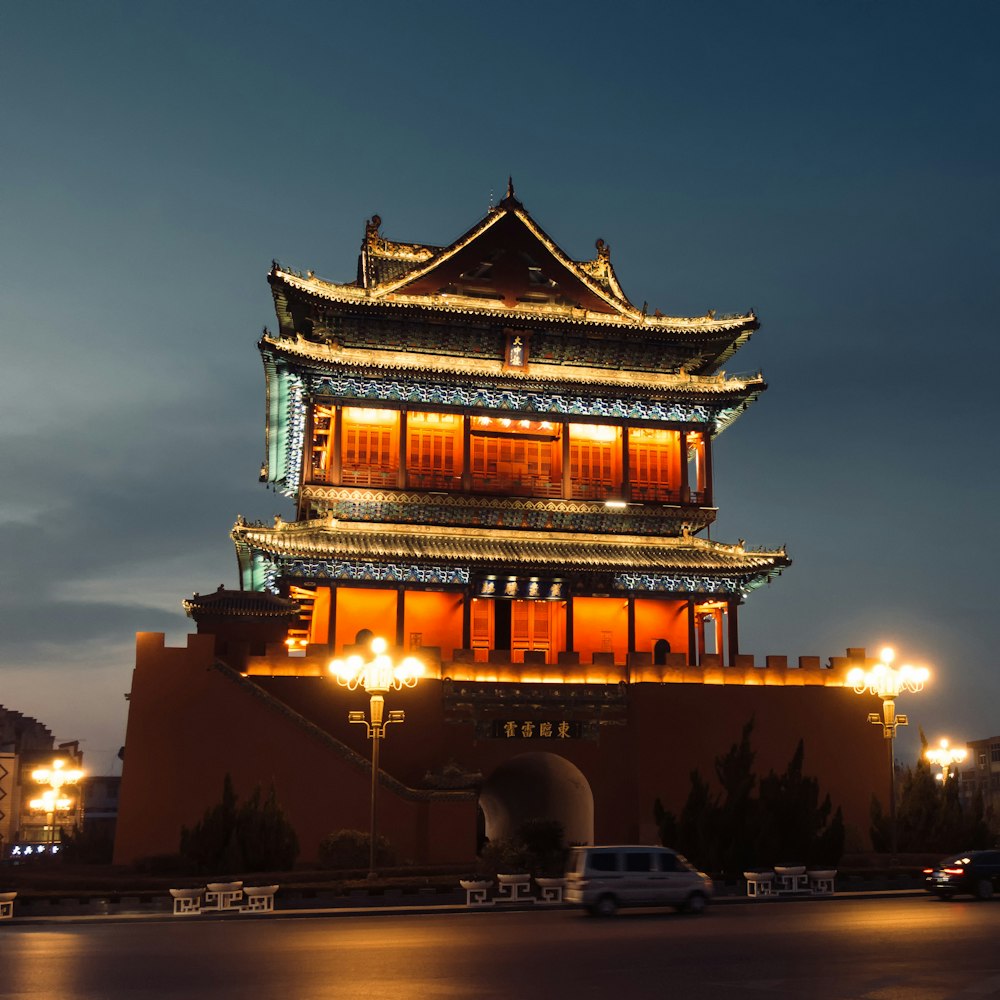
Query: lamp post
{"points": [[943, 756], [52, 800], [377, 676], [888, 682]]}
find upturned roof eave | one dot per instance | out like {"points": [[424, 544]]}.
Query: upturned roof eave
{"points": [[714, 388], [609, 553], [613, 296], [693, 327]]}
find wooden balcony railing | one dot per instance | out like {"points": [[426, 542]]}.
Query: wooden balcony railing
{"points": [[528, 486], [370, 476]]}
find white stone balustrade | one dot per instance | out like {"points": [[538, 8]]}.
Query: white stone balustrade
{"points": [[759, 883], [791, 878], [259, 898], [514, 889], [224, 897], [475, 891], [551, 889], [187, 901], [821, 881]]}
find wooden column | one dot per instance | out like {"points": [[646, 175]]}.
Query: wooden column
{"points": [[709, 491], [734, 631], [307, 453], [336, 458], [567, 488], [466, 474], [401, 476], [467, 620], [692, 637], [631, 623], [626, 466], [332, 633], [570, 642], [400, 617], [630, 613], [683, 479]]}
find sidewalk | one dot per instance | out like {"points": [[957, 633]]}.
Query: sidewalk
{"points": [[159, 909]]}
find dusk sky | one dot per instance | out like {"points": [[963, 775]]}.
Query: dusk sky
{"points": [[835, 166]]}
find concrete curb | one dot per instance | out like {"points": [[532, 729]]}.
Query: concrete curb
{"points": [[426, 909]]}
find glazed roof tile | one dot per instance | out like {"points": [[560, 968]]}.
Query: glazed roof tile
{"points": [[529, 265], [240, 604], [331, 539], [668, 383], [691, 326]]}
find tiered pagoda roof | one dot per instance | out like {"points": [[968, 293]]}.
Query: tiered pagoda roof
{"points": [[506, 267], [239, 604], [544, 552], [430, 326]]}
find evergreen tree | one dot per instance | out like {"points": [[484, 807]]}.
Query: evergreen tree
{"points": [[736, 830], [792, 819], [930, 817], [206, 843], [739, 810], [230, 838], [267, 840]]}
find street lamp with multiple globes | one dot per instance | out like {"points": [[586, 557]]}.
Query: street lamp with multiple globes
{"points": [[52, 800], [943, 756], [888, 682], [377, 676]]}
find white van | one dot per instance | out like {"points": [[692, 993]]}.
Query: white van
{"points": [[603, 878]]}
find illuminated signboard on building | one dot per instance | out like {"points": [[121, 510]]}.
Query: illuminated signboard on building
{"points": [[536, 729], [524, 588]]}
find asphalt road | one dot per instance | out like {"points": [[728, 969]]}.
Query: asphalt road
{"points": [[876, 949]]}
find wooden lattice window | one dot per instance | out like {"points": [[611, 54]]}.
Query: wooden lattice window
{"points": [[433, 449], [654, 459], [530, 625], [511, 459], [594, 456], [371, 446], [482, 624], [592, 461]]}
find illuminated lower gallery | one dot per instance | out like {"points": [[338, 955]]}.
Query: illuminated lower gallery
{"points": [[503, 467]]}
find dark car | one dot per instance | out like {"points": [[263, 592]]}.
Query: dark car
{"points": [[975, 873]]}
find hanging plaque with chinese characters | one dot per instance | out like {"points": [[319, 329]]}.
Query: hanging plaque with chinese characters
{"points": [[536, 729], [521, 588]]}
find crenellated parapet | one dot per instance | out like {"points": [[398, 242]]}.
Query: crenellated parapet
{"points": [[498, 667]]}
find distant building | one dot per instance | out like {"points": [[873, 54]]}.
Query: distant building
{"points": [[25, 747], [980, 775], [99, 794], [505, 467]]}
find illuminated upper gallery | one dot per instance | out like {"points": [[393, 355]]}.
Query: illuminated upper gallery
{"points": [[488, 444]]}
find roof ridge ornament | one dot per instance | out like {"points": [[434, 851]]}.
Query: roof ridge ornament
{"points": [[600, 267], [372, 227], [509, 201]]}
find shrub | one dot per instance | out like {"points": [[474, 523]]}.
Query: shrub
{"points": [[349, 849], [537, 848], [231, 838]]}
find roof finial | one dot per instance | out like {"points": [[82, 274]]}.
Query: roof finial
{"points": [[509, 202]]}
